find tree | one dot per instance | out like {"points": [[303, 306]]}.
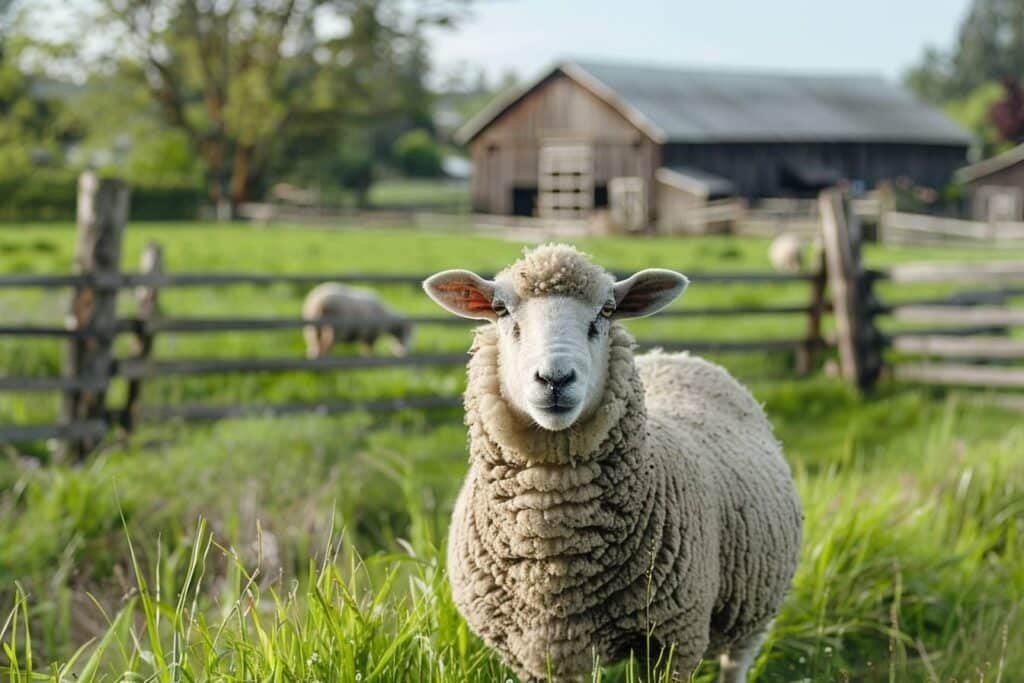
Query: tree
{"points": [[30, 123], [989, 47], [242, 78]]}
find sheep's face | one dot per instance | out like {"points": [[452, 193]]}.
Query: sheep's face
{"points": [[553, 348]]}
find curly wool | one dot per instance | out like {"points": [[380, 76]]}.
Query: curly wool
{"points": [[557, 269], [670, 510]]}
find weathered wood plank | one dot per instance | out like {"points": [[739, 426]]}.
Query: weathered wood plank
{"points": [[963, 375], [1001, 348], [147, 302], [33, 384], [899, 226], [989, 272], [132, 367], [27, 330], [90, 429], [209, 279], [102, 215], [202, 412], [964, 298], [720, 346], [951, 330], [45, 281], [813, 339], [968, 315], [185, 325], [858, 356]]}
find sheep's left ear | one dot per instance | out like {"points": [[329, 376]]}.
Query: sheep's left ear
{"points": [[647, 292]]}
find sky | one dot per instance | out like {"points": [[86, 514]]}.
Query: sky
{"points": [[868, 36]]}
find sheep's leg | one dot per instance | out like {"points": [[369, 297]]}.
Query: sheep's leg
{"points": [[312, 338], [326, 340], [398, 348], [319, 339], [366, 347], [737, 660]]}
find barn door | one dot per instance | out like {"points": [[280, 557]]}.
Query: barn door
{"points": [[628, 203], [565, 181]]}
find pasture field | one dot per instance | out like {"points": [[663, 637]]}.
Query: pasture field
{"points": [[311, 548]]}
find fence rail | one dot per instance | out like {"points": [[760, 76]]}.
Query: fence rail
{"points": [[92, 326], [967, 329], [898, 227]]}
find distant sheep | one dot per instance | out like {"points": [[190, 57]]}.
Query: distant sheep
{"points": [[786, 253], [612, 502], [363, 318]]}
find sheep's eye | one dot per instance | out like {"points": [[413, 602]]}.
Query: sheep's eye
{"points": [[499, 309], [608, 309]]}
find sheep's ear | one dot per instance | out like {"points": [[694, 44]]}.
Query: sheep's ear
{"points": [[462, 292], [647, 292]]}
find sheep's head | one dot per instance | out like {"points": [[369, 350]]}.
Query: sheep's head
{"points": [[553, 310]]}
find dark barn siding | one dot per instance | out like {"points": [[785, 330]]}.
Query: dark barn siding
{"points": [[756, 168]]}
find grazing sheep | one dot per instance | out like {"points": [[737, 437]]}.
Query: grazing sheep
{"points": [[612, 503], [370, 318], [786, 253]]}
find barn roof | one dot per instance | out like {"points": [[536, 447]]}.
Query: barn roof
{"points": [[682, 105], [987, 167]]}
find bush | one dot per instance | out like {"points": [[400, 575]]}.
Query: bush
{"points": [[50, 195], [418, 155]]}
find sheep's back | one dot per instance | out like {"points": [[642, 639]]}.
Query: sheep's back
{"points": [[334, 300], [722, 432]]}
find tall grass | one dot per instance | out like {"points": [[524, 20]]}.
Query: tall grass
{"points": [[912, 564], [310, 548]]}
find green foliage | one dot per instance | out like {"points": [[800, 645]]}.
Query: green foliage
{"points": [[418, 155], [972, 112], [244, 84], [38, 194], [989, 46]]}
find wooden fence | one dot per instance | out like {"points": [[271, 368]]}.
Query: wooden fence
{"points": [[898, 227], [963, 338], [90, 364]]}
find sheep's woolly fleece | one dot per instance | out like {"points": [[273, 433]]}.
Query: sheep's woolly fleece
{"points": [[556, 269], [366, 316], [669, 510]]}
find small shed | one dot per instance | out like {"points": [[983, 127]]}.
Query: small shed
{"points": [[672, 138], [996, 186]]}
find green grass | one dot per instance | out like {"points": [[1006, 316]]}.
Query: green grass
{"points": [[432, 192], [310, 548]]}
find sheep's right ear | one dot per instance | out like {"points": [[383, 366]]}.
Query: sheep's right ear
{"points": [[462, 292]]}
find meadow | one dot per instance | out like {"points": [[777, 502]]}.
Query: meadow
{"points": [[311, 548]]}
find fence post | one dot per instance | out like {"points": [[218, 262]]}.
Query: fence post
{"points": [[807, 355], [102, 215], [147, 301], [859, 357]]}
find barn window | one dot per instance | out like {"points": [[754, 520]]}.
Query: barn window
{"points": [[566, 189]]}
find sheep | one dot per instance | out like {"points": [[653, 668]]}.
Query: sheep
{"points": [[786, 253], [369, 319], [613, 503]]}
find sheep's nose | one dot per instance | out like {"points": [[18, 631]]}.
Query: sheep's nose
{"points": [[554, 379]]}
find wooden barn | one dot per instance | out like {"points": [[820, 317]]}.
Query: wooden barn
{"points": [[652, 142]]}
